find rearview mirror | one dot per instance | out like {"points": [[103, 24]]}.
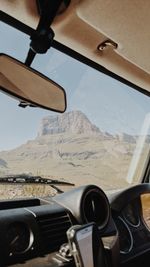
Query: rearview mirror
{"points": [[30, 86]]}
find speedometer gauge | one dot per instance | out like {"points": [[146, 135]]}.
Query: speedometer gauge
{"points": [[19, 238]]}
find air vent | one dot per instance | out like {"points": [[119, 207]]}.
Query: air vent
{"points": [[53, 229], [96, 207]]}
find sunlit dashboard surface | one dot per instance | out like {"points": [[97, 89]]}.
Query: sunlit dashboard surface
{"points": [[145, 199]]}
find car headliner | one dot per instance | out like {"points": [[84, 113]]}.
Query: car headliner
{"points": [[86, 24]]}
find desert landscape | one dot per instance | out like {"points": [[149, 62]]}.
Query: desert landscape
{"points": [[69, 148]]}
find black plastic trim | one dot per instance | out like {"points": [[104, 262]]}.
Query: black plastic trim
{"points": [[146, 176], [17, 203], [16, 23]]}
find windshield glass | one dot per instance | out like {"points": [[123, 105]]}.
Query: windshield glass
{"points": [[102, 138]]}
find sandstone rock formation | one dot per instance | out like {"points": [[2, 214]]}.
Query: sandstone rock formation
{"points": [[71, 122]]}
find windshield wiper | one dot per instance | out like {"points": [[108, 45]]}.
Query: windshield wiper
{"points": [[33, 179]]}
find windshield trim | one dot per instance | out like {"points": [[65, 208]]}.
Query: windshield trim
{"points": [[146, 173]]}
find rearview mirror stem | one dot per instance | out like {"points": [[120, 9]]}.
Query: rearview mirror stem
{"points": [[42, 38]]}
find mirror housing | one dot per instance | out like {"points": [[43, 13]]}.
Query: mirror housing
{"points": [[29, 86]]}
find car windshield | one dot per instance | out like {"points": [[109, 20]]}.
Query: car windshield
{"points": [[102, 138]]}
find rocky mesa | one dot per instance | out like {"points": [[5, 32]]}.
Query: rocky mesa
{"points": [[74, 122]]}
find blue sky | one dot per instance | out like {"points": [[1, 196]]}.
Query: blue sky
{"points": [[112, 106]]}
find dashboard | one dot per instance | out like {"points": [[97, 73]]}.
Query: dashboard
{"points": [[33, 231]]}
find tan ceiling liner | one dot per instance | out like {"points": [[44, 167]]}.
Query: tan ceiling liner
{"points": [[126, 22], [87, 23]]}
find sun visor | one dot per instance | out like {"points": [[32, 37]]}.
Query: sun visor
{"points": [[124, 22]]}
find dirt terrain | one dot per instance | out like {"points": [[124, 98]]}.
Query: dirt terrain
{"points": [[79, 159]]}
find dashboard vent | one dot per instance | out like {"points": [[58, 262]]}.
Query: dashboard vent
{"points": [[53, 229], [95, 207]]}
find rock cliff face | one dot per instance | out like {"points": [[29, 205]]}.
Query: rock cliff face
{"points": [[72, 122]]}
